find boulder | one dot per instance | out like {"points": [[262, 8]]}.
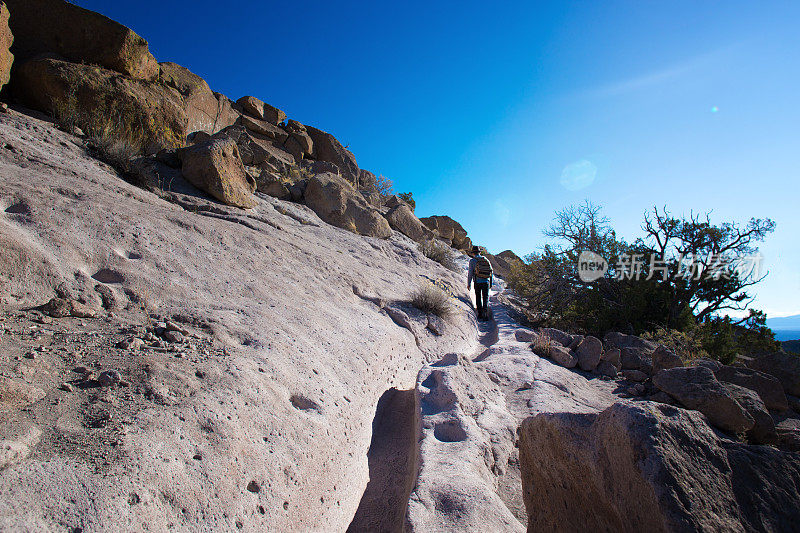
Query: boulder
{"points": [[327, 148], [588, 352], [299, 143], [395, 201], [663, 358], [374, 199], [647, 466], [151, 109], [697, 388], [561, 337], [256, 150], [216, 168], [613, 356], [258, 109], [562, 357], [767, 387], [606, 368], [79, 35], [339, 204], [321, 167], [402, 219], [6, 40], [271, 184], [763, 431], [632, 358], [636, 376], [449, 230], [784, 366], [614, 339], [708, 363], [262, 127], [204, 110], [65, 307]]}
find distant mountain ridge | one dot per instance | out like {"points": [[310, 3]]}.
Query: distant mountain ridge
{"points": [[784, 322]]}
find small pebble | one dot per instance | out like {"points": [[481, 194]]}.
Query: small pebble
{"points": [[66, 387]]}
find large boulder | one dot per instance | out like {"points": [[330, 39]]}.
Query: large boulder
{"points": [[205, 110], [260, 110], [449, 230], [784, 366], [767, 387], [402, 219], [589, 352], [555, 352], [91, 93], [651, 467], [763, 431], [338, 203], [663, 358], [614, 339], [215, 167], [6, 40], [79, 35], [613, 356], [561, 337], [697, 388], [327, 148]]}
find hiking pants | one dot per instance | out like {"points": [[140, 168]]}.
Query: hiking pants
{"points": [[482, 297]]}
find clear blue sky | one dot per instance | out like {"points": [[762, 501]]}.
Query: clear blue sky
{"points": [[481, 108]]}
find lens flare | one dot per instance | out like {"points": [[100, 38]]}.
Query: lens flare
{"points": [[714, 109]]}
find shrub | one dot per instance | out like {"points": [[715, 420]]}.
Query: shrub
{"points": [[115, 135], [429, 298], [686, 345], [409, 199], [440, 253], [290, 174]]}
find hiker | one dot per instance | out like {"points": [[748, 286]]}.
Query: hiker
{"points": [[480, 271]]}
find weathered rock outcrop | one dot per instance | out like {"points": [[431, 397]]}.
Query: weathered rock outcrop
{"points": [[697, 388], [6, 40], [260, 110], [215, 167], [449, 230], [79, 35], [257, 150], [503, 262], [327, 148], [205, 110], [651, 467], [262, 418], [338, 203], [782, 365], [90, 92], [402, 219], [299, 143]]}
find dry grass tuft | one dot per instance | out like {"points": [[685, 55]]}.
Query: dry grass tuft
{"points": [[440, 253], [429, 298]]}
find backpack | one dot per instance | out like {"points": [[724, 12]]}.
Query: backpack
{"points": [[483, 268]]}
